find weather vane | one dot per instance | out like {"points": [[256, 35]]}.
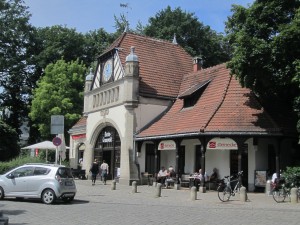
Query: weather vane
{"points": [[126, 5]]}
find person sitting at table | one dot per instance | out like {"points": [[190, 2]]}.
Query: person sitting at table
{"points": [[214, 176], [172, 173], [171, 177], [162, 175], [199, 178]]}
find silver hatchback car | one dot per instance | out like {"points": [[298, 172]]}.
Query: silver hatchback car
{"points": [[45, 181]]}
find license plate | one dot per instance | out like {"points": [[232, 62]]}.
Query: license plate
{"points": [[69, 183]]}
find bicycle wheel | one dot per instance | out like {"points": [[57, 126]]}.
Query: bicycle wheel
{"points": [[279, 195], [224, 195]]}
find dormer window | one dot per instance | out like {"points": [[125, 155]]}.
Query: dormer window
{"points": [[192, 95]]}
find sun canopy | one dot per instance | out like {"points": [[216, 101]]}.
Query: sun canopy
{"points": [[42, 145]]}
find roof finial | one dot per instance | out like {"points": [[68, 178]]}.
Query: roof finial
{"points": [[132, 56], [174, 40]]}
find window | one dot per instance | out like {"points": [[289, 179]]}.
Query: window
{"points": [[191, 96], [41, 171], [23, 172], [64, 172]]}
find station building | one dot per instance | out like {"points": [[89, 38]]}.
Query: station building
{"points": [[150, 104]]}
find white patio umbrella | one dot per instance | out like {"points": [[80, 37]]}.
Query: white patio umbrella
{"points": [[48, 145], [42, 145]]}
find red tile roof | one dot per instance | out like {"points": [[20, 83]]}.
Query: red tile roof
{"points": [[79, 127], [224, 107], [162, 63]]}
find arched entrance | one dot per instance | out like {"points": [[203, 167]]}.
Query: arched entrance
{"points": [[107, 148]]}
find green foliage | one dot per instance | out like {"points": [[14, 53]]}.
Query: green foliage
{"points": [[5, 166], [292, 176], [197, 39], [15, 41], [265, 57], [59, 92], [9, 147]]}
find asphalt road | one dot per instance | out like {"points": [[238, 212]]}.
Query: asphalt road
{"points": [[100, 205]]}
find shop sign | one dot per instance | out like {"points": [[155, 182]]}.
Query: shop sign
{"points": [[167, 145], [107, 137], [78, 136], [222, 144]]}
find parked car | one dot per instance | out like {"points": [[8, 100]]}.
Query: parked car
{"points": [[45, 181]]}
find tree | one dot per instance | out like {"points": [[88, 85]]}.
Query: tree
{"points": [[265, 39], [95, 42], [197, 39], [57, 42], [15, 36], [9, 142], [59, 92]]}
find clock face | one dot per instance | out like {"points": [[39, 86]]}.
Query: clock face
{"points": [[107, 70]]}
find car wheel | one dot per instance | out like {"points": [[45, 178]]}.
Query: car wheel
{"points": [[1, 193], [68, 199], [48, 196]]}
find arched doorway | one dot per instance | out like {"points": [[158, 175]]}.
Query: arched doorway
{"points": [[107, 148]]}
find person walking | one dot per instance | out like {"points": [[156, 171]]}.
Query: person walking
{"points": [[104, 171], [95, 171]]}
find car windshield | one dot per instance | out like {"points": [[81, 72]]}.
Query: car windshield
{"points": [[64, 172]]}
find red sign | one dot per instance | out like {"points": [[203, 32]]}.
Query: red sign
{"points": [[56, 141], [167, 145], [212, 144]]}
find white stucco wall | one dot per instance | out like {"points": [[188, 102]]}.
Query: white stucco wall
{"points": [[147, 110], [219, 159]]}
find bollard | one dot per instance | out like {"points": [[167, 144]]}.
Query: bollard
{"points": [[193, 193], [177, 186], [158, 190], [269, 188], [113, 185], [243, 194], [294, 196], [202, 189], [134, 187], [154, 184]]}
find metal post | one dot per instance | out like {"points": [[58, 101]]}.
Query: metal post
{"points": [[134, 187], [243, 194], [193, 193], [158, 190], [113, 185]]}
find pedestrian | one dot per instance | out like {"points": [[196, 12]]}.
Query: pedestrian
{"points": [[104, 171], [95, 171]]}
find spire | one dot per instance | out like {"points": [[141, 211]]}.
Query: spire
{"points": [[174, 40]]}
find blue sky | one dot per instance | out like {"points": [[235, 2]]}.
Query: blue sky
{"points": [[87, 15]]}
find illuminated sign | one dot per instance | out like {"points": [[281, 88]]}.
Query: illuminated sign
{"points": [[222, 144], [107, 137], [167, 145]]}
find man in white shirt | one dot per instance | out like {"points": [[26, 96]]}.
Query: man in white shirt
{"points": [[104, 171], [162, 175]]}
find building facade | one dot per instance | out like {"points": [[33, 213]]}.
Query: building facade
{"points": [[150, 104]]}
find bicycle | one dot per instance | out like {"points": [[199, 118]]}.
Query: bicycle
{"points": [[225, 190], [280, 191]]}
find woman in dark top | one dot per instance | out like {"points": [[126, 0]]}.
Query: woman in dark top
{"points": [[94, 170]]}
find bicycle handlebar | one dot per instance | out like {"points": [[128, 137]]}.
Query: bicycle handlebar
{"points": [[238, 174]]}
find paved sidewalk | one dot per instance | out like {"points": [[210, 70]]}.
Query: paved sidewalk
{"points": [[100, 205]]}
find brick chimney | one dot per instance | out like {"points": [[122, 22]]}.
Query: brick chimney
{"points": [[197, 64]]}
